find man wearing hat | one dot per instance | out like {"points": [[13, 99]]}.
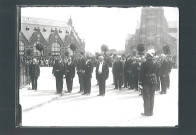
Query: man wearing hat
{"points": [[80, 71], [134, 70], [59, 69], [70, 74], [148, 82], [88, 69], [118, 72], [34, 72], [126, 71], [165, 69]]}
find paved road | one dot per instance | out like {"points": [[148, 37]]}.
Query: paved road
{"points": [[117, 108]]}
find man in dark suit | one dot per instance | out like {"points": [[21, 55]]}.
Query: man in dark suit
{"points": [[88, 69], [165, 69], [70, 74], [126, 73], [148, 82], [59, 69], [102, 73], [80, 71], [113, 61], [118, 72], [34, 72], [134, 68]]}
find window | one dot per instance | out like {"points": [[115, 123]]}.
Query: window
{"points": [[21, 48], [35, 51], [55, 48]]}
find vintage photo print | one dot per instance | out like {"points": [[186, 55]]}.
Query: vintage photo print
{"points": [[98, 66]]}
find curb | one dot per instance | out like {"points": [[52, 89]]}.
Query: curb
{"points": [[41, 104]]}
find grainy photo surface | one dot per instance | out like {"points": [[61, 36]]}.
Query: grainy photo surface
{"points": [[99, 66]]}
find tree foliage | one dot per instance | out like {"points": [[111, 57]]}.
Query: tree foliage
{"points": [[166, 49], [104, 48], [66, 53], [28, 52], [39, 46], [140, 49], [73, 47], [97, 54]]}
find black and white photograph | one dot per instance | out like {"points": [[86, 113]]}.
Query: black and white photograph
{"points": [[98, 66]]}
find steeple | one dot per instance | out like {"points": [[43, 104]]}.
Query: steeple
{"points": [[70, 21]]}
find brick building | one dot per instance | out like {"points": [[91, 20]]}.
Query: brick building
{"points": [[153, 31], [55, 37]]}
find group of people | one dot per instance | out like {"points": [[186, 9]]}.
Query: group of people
{"points": [[84, 67], [143, 73], [126, 71]]}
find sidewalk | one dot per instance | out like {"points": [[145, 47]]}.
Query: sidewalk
{"points": [[30, 99], [117, 108]]}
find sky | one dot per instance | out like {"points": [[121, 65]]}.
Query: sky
{"points": [[98, 25]]}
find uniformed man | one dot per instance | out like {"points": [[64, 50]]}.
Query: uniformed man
{"points": [[80, 70], [34, 73], [88, 69], [70, 74], [118, 72], [148, 82], [59, 69]]}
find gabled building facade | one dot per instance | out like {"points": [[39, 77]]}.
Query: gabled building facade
{"points": [[54, 36]]}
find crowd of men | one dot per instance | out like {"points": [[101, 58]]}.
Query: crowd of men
{"points": [[143, 73]]}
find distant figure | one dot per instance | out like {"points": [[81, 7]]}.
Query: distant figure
{"points": [[165, 70], [34, 73], [80, 71], [58, 71], [88, 69], [70, 74], [118, 72], [113, 61], [126, 73], [102, 73], [134, 70], [148, 82]]}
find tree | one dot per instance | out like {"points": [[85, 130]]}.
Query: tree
{"points": [[140, 49], [28, 52], [104, 48], [39, 46], [66, 53], [73, 47], [97, 54], [166, 49]]}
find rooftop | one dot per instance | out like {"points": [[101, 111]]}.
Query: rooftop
{"points": [[40, 21]]}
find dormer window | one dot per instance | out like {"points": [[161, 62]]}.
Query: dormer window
{"points": [[27, 28], [67, 32], [36, 28], [44, 29]]}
